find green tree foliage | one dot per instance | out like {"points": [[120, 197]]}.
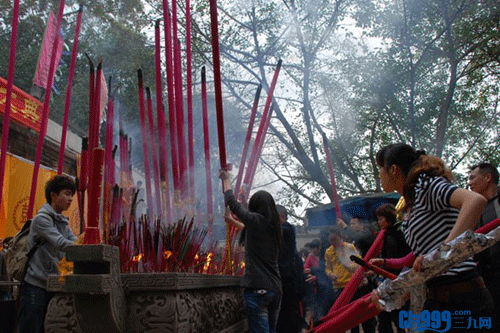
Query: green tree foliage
{"points": [[358, 74], [364, 74]]}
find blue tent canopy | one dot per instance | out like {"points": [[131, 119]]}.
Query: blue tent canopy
{"points": [[362, 206]]}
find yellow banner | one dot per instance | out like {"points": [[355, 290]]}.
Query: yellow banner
{"points": [[16, 193]]}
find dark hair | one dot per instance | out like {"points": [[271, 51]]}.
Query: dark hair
{"points": [[487, 168], [412, 163], [7, 239], [314, 244], [262, 202], [400, 154], [58, 183], [336, 230], [388, 211], [282, 211]]}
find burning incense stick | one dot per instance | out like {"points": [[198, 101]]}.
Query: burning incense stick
{"points": [[261, 134], [109, 167], [171, 95], [181, 141], [91, 102], [144, 136], [45, 114], [69, 89], [217, 83], [189, 102], [92, 234], [154, 155], [374, 268], [82, 180], [96, 117], [353, 284], [162, 130], [8, 98], [248, 137], [208, 171]]}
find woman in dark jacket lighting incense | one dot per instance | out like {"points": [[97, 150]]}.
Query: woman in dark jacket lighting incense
{"points": [[263, 239]]}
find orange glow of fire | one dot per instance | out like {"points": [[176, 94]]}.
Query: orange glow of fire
{"points": [[137, 257], [167, 254], [207, 264]]}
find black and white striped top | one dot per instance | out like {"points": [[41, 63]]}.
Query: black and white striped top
{"points": [[431, 218]]}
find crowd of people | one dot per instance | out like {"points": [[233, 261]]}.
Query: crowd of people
{"points": [[286, 290], [432, 211]]}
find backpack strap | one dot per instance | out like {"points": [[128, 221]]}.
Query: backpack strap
{"points": [[38, 243]]}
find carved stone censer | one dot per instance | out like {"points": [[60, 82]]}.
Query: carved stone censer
{"points": [[98, 298]]}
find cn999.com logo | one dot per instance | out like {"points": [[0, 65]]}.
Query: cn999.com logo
{"points": [[442, 321], [438, 321]]}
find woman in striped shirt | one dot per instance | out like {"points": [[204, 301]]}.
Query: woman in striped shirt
{"points": [[436, 212]]}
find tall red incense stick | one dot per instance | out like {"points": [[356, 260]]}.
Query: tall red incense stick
{"points": [[108, 144], [92, 234], [248, 137], [162, 130], [128, 145], [338, 213], [144, 136], [8, 98], [261, 133], [254, 160], [179, 106], [189, 102], [69, 89], [109, 166], [351, 315], [82, 180], [154, 155], [171, 95], [217, 83], [91, 102], [353, 284], [45, 114], [96, 117], [208, 170], [123, 152]]}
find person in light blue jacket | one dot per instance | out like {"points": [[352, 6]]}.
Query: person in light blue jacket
{"points": [[51, 231]]}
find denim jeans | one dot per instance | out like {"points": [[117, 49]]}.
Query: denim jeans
{"points": [[262, 308], [34, 303]]}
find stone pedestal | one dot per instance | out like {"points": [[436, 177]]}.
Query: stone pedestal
{"points": [[97, 298]]}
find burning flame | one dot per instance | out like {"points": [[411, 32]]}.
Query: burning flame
{"points": [[207, 264], [137, 257], [167, 254]]}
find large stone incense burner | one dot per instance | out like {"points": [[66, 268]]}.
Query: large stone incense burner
{"points": [[97, 298]]}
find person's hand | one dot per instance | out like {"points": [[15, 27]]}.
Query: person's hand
{"points": [[307, 271], [233, 220], [341, 223], [417, 265], [374, 299], [226, 184], [311, 278], [377, 262], [227, 213]]}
